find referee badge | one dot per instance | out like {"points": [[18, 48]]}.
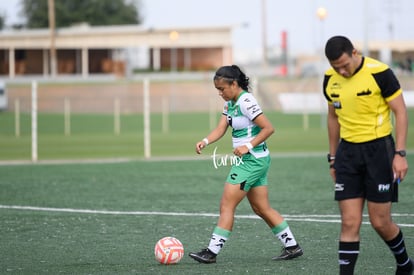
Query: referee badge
{"points": [[337, 105]]}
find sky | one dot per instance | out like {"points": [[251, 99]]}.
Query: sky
{"points": [[360, 20]]}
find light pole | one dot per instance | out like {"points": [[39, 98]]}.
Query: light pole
{"points": [[174, 35], [322, 13], [365, 50], [52, 27], [264, 35]]}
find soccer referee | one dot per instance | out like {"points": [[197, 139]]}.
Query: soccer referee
{"points": [[366, 162]]}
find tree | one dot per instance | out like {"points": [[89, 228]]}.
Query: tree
{"points": [[2, 21], [94, 12]]}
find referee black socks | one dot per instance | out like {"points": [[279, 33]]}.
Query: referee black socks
{"points": [[348, 255], [397, 246]]}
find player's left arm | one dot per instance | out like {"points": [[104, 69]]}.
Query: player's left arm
{"points": [[266, 131], [397, 105], [392, 92]]}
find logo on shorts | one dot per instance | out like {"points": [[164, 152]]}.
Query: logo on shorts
{"points": [[339, 187], [382, 188]]}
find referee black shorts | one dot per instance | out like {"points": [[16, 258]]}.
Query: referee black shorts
{"points": [[364, 170]]}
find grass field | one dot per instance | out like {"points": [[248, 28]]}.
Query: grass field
{"points": [[105, 218], [66, 215], [92, 136]]}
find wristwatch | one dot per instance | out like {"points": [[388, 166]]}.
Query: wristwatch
{"points": [[330, 158], [402, 153]]}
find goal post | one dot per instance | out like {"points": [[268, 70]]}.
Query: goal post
{"points": [[147, 121], [34, 122]]}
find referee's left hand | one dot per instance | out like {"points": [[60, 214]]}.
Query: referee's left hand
{"points": [[400, 167]]}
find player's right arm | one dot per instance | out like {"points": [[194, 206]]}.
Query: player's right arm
{"points": [[214, 135]]}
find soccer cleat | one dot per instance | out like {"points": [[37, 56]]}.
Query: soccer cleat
{"points": [[205, 256], [406, 272], [289, 253]]}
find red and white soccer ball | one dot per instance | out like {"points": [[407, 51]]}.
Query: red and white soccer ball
{"points": [[169, 250]]}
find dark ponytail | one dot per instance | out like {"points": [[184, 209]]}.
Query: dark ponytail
{"points": [[233, 73]]}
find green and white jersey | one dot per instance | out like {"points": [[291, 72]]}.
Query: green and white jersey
{"points": [[240, 116]]}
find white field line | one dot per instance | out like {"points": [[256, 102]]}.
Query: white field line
{"points": [[302, 217], [154, 159]]}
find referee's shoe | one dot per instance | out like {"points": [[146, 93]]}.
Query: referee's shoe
{"points": [[401, 271], [290, 252]]}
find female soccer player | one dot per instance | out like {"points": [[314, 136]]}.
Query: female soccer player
{"points": [[248, 178]]}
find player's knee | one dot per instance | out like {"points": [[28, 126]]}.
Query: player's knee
{"points": [[226, 208], [264, 212], [381, 225], [351, 225], [257, 210]]}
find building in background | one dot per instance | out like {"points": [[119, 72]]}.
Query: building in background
{"points": [[84, 50]]}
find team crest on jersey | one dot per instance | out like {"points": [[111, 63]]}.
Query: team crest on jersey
{"points": [[336, 85]]}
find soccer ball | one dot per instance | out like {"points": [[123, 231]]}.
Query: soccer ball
{"points": [[168, 250]]}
